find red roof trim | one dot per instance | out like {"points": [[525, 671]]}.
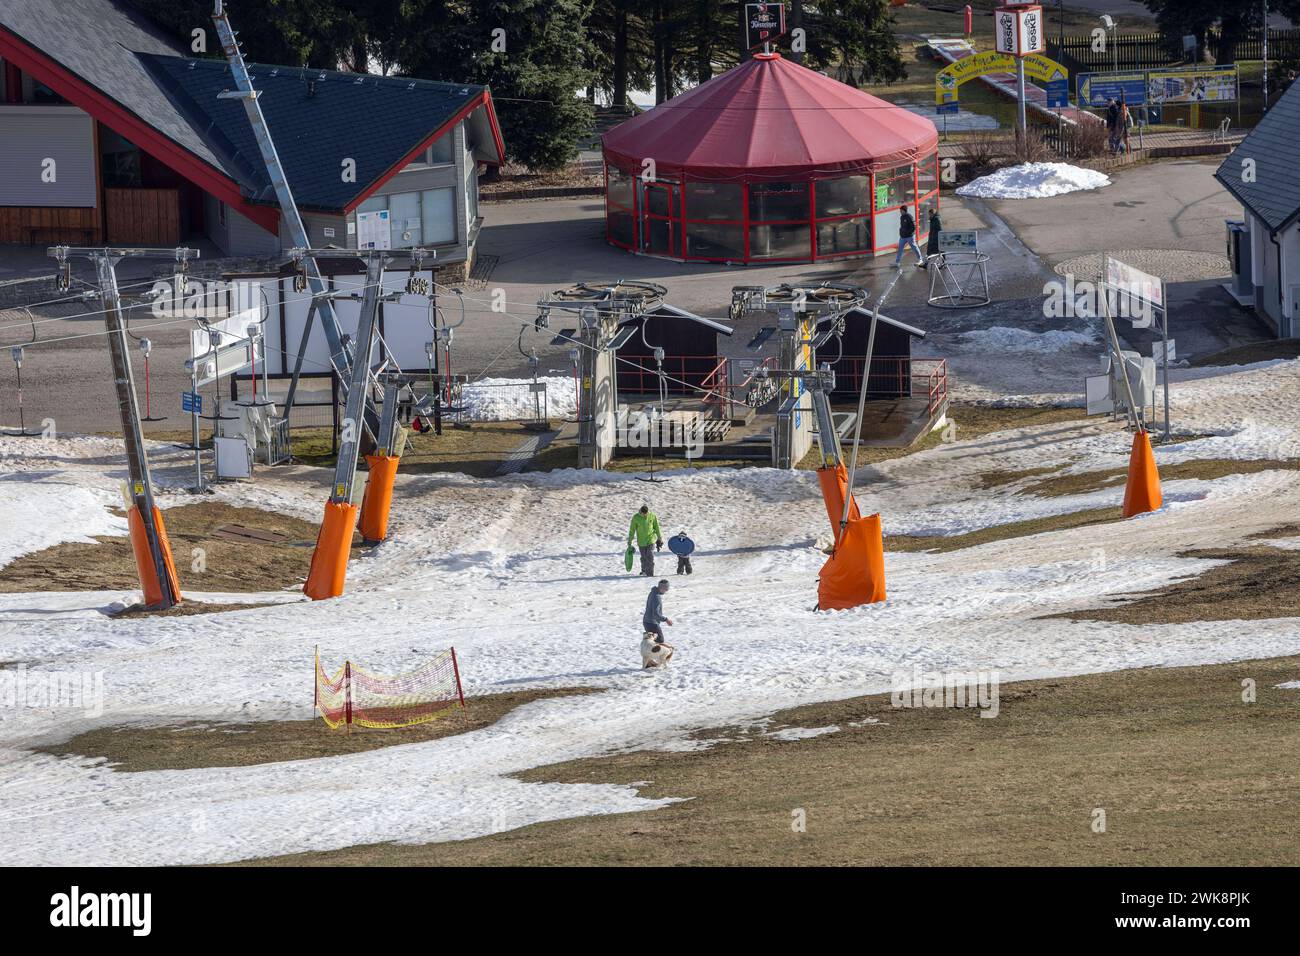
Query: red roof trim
{"points": [[484, 99], [122, 121]]}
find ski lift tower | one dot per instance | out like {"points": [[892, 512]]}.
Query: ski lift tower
{"points": [[606, 313], [799, 312]]}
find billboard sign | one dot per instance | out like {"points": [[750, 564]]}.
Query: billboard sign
{"points": [[964, 240], [1141, 286], [1096, 90], [1038, 67], [1018, 29], [764, 22], [1192, 84]]}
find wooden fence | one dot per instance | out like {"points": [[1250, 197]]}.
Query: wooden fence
{"points": [[1137, 51]]}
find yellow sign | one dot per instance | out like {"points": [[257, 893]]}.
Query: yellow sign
{"points": [[1037, 67]]}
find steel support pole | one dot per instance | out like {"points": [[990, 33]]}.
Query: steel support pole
{"points": [[140, 486], [1021, 121], [345, 468]]}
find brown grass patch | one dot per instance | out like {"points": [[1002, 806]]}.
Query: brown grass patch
{"points": [[1001, 532], [1187, 774], [989, 480], [194, 746], [1255, 352], [240, 566], [1258, 584], [1205, 469]]}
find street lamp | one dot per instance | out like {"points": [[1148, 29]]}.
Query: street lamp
{"points": [[1108, 24]]}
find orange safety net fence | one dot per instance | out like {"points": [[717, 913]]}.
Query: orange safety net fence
{"points": [[355, 696]]}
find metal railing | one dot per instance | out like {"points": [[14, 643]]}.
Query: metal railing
{"points": [[894, 377]]}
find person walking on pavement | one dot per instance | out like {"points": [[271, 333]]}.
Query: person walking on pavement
{"points": [[645, 529], [1112, 125], [932, 243], [654, 612], [907, 239]]}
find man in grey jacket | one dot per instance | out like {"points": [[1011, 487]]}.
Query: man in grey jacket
{"points": [[654, 612]]}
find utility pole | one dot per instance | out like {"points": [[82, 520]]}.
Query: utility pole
{"points": [[1265, 56], [139, 482]]}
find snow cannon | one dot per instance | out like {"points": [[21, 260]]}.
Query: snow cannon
{"points": [[1142, 491]]}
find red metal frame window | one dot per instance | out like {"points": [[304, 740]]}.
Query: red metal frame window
{"points": [[620, 208], [927, 191], [842, 214], [661, 218], [714, 221], [899, 184], [780, 222]]}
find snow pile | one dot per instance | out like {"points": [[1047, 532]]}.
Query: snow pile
{"points": [[1289, 685], [1034, 181], [39, 515], [1002, 338], [511, 399]]}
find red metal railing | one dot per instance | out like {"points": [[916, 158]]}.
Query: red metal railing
{"points": [[894, 376]]}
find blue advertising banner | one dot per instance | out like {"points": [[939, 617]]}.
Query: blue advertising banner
{"points": [[1096, 90]]}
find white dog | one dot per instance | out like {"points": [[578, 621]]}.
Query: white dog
{"points": [[654, 654]]}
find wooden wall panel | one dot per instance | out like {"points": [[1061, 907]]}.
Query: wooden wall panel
{"points": [[49, 225], [142, 217]]}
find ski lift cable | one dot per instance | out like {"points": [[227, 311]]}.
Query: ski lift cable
{"points": [[577, 343]]}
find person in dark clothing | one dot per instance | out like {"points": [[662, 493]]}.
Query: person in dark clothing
{"points": [[683, 547], [907, 239], [1112, 125], [932, 243], [654, 612]]}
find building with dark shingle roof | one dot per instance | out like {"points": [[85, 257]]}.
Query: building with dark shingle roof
{"points": [[1264, 176], [113, 134]]}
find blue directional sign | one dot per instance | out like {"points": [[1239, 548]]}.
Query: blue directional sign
{"points": [[1096, 90], [192, 402], [1058, 93]]}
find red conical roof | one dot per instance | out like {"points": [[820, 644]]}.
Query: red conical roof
{"points": [[770, 118]]}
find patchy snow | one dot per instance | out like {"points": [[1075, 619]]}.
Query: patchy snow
{"points": [[1034, 181], [524, 577], [1289, 685], [511, 399], [43, 512], [802, 733]]}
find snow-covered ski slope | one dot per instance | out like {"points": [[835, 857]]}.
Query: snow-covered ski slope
{"points": [[524, 576]]}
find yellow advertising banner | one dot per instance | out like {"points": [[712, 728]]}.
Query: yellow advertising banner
{"points": [[1037, 67]]}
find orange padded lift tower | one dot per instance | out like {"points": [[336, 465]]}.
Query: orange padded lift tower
{"points": [[378, 497], [855, 573], [1142, 492], [155, 588]]}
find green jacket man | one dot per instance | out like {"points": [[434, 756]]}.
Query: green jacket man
{"points": [[645, 529]]}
